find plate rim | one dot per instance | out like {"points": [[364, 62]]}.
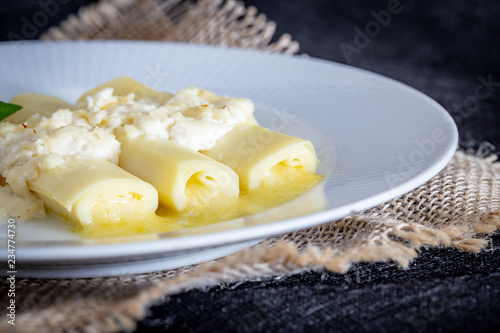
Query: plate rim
{"points": [[36, 251]]}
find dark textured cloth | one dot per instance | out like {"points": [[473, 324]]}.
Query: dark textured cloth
{"points": [[443, 290], [440, 48], [447, 50]]}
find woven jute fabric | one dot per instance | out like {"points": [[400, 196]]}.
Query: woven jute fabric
{"points": [[458, 208]]}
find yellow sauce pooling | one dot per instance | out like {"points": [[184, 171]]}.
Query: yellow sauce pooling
{"points": [[282, 184]]}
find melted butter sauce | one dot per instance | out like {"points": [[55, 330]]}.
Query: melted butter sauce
{"points": [[282, 184]]}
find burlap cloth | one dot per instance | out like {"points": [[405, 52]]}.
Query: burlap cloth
{"points": [[458, 208]]}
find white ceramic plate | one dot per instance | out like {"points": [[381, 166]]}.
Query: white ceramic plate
{"points": [[376, 139]]}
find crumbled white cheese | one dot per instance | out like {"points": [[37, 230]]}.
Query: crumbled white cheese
{"points": [[193, 117], [43, 143], [21, 207]]}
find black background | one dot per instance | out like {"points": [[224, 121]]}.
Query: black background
{"points": [[441, 48]]}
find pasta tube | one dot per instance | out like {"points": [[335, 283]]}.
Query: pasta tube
{"points": [[253, 150], [123, 86], [94, 190], [35, 103], [182, 176]]}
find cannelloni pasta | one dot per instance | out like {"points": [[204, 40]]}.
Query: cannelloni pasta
{"points": [[177, 172], [94, 189], [126, 154], [35, 103], [253, 151]]}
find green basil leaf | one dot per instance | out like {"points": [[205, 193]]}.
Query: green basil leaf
{"points": [[7, 109]]}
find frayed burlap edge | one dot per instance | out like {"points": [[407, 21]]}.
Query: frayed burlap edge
{"points": [[217, 22], [457, 208], [384, 233]]}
